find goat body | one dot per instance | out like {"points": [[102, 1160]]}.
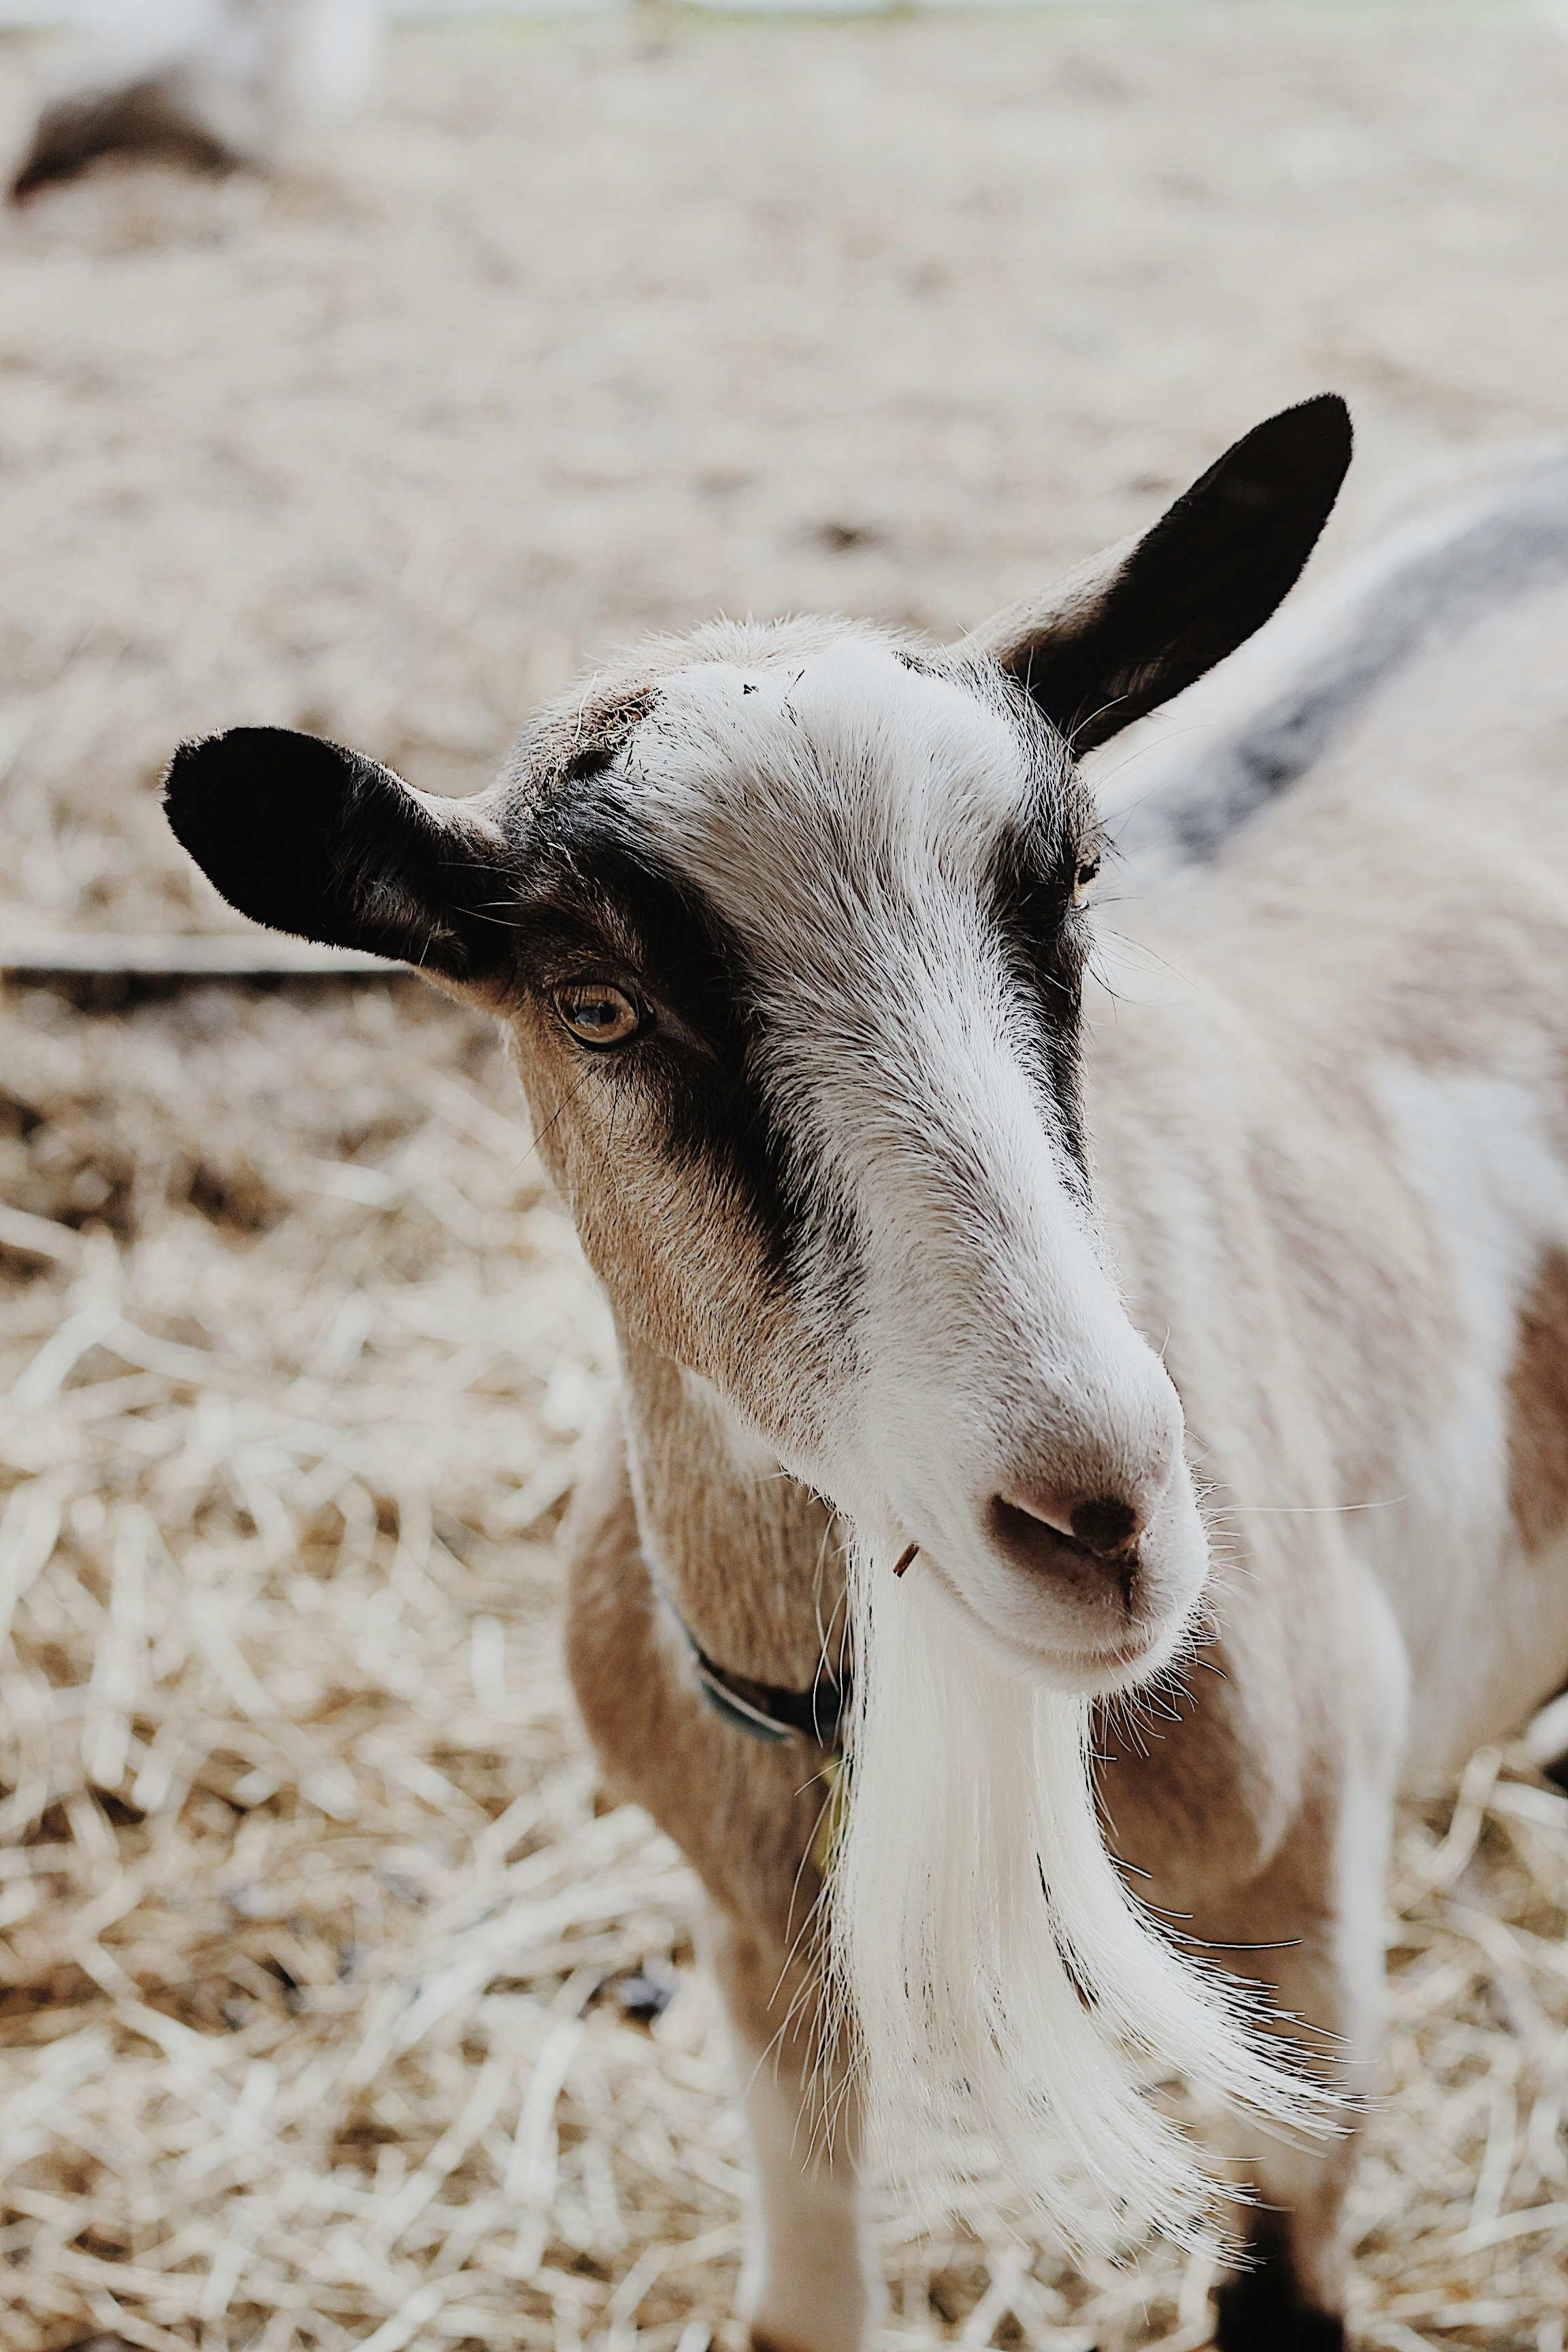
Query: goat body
{"points": [[1223, 1326]]}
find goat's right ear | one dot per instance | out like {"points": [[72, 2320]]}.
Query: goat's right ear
{"points": [[307, 838]]}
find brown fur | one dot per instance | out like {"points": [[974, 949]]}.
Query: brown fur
{"points": [[1537, 1410], [775, 1621], [679, 1256], [743, 1814]]}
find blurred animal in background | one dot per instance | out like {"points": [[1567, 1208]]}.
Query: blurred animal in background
{"points": [[210, 83], [1046, 1417]]}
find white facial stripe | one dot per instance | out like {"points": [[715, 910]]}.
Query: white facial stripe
{"points": [[848, 817], [767, 780], [844, 814]]}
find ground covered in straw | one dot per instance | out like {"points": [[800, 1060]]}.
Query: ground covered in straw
{"points": [[335, 2011]]}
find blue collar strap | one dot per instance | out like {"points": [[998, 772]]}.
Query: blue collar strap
{"points": [[768, 1711]]}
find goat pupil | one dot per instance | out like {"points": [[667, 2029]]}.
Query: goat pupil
{"points": [[598, 1015], [1083, 881]]}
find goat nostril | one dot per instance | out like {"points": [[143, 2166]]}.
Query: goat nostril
{"points": [[1105, 1524], [1041, 1530]]}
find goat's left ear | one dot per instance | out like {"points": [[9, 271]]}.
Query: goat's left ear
{"points": [[306, 836], [1135, 625]]}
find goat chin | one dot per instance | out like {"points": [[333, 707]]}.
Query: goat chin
{"points": [[996, 1978]]}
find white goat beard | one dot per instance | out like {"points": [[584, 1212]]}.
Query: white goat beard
{"points": [[992, 1970]]}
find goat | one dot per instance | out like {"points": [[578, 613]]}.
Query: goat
{"points": [[211, 82], [992, 1354]]}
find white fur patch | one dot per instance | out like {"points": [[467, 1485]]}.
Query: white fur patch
{"points": [[997, 1973], [1484, 1627]]}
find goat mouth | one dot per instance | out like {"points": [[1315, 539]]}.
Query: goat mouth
{"points": [[1096, 1669]]}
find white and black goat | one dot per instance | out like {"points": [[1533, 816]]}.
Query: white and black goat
{"points": [[211, 82], [1080, 1335]]}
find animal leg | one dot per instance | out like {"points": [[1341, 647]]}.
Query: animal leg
{"points": [[809, 2286], [744, 1814], [1293, 2297]]}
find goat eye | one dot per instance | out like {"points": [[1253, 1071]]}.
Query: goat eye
{"points": [[1083, 881], [598, 1014]]}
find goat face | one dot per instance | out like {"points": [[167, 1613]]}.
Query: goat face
{"points": [[811, 1089], [789, 930]]}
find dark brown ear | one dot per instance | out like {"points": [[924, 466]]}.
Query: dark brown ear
{"points": [[305, 837], [1138, 624]]}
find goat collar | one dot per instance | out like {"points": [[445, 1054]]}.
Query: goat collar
{"points": [[770, 1711]]}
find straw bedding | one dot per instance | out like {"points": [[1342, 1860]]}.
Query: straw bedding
{"points": [[322, 1991], [334, 2008]]}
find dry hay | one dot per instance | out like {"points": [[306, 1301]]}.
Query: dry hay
{"points": [[584, 332], [321, 1967], [321, 1971]]}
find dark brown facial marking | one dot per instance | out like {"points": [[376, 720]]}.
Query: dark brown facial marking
{"points": [[1537, 1410], [577, 740]]}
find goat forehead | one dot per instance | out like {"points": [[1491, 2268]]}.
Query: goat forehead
{"points": [[785, 790]]}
